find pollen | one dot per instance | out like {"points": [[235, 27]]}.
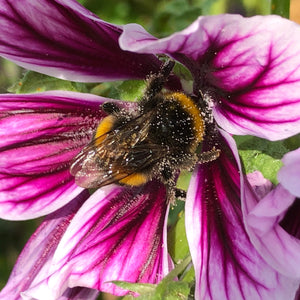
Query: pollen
{"points": [[193, 110]]}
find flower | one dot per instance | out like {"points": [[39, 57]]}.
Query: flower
{"points": [[37, 170], [246, 70], [273, 219]]}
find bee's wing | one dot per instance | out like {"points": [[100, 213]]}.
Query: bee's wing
{"points": [[120, 153], [86, 169]]}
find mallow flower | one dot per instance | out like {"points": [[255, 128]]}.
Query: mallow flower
{"points": [[273, 219], [246, 77], [273, 216]]}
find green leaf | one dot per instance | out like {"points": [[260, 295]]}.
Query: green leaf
{"points": [[140, 288], [188, 275], [184, 180], [34, 82], [106, 89], [132, 90], [170, 289], [257, 7], [179, 268], [129, 90], [281, 8], [176, 209], [292, 143], [176, 291], [177, 242], [185, 76], [262, 155], [166, 289], [172, 16], [218, 7]]}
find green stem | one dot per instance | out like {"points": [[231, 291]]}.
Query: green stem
{"points": [[281, 8], [178, 269]]}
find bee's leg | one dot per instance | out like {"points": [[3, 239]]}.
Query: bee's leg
{"points": [[208, 156], [156, 81], [110, 108], [173, 193], [166, 69], [180, 194]]}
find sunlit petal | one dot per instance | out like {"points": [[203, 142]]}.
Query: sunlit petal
{"points": [[40, 134], [273, 225], [118, 234], [227, 266], [247, 67], [289, 174], [34, 261], [65, 40]]}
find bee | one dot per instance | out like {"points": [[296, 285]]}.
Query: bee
{"points": [[153, 141]]}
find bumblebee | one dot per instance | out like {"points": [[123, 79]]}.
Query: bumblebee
{"points": [[154, 140]]}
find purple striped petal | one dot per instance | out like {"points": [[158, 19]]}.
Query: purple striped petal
{"points": [[298, 294], [227, 266], [40, 134], [291, 221], [79, 293], [274, 226], [289, 174], [34, 261], [259, 184], [118, 234], [65, 40], [248, 67]]}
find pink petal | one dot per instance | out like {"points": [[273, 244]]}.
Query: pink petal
{"points": [[263, 218], [289, 174], [79, 293], [247, 67], [40, 134], [260, 185], [65, 40], [227, 265], [118, 234], [291, 221], [34, 261]]}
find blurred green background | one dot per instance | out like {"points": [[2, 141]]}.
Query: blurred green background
{"points": [[161, 18]]}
